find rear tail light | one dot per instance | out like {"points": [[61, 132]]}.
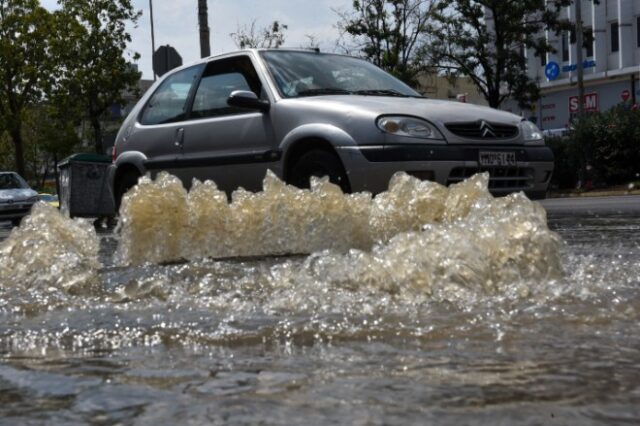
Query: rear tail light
{"points": [[114, 154]]}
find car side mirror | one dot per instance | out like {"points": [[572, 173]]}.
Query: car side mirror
{"points": [[247, 99]]}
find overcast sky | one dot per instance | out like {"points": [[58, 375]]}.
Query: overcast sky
{"points": [[176, 23]]}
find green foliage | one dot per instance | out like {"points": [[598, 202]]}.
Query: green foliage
{"points": [[567, 162], [57, 70], [486, 39], [271, 36], [26, 65], [610, 143], [92, 45], [602, 147], [389, 33]]}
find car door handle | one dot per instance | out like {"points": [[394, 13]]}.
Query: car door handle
{"points": [[179, 141]]}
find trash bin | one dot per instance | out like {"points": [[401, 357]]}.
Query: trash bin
{"points": [[84, 186]]}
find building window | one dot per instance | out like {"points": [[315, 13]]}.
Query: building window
{"points": [[565, 47], [638, 29], [615, 40], [588, 42]]}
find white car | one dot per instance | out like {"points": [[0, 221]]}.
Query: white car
{"points": [[16, 197]]}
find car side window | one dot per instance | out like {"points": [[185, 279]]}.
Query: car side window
{"points": [[219, 80], [169, 102]]}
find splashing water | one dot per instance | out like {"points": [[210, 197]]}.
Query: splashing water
{"points": [[418, 237], [50, 251], [461, 233], [420, 303]]}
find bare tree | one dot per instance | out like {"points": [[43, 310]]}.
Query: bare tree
{"points": [[271, 36], [312, 42]]}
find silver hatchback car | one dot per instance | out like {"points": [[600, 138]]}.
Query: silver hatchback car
{"points": [[230, 118], [16, 197]]}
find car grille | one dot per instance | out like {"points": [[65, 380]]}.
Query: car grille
{"points": [[511, 178], [12, 211], [482, 130]]}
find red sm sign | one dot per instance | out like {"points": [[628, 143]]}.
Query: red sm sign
{"points": [[590, 103]]}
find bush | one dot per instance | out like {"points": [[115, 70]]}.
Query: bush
{"points": [[565, 173], [603, 148]]}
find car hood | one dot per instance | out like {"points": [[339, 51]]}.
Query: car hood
{"points": [[436, 111], [13, 195]]}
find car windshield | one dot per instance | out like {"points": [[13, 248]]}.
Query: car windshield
{"points": [[312, 74], [11, 181]]}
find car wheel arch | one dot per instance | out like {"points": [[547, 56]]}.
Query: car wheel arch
{"points": [[125, 174], [297, 149], [312, 136], [126, 168]]}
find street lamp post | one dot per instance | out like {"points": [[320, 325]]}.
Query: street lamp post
{"points": [[153, 40], [205, 49], [579, 59]]}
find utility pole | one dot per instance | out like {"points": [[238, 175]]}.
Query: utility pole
{"points": [[153, 39], [203, 23], [579, 58]]}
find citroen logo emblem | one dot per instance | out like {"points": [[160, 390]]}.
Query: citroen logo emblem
{"points": [[486, 130]]}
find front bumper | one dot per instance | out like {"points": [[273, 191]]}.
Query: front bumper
{"points": [[17, 210], [370, 167]]}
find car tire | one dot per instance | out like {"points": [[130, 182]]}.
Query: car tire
{"points": [[318, 163], [124, 183], [537, 195]]}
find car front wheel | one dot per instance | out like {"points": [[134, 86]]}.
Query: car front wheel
{"points": [[318, 163], [124, 183]]}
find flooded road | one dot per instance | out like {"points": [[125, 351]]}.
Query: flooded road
{"points": [[428, 305]]}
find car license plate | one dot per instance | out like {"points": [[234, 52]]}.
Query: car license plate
{"points": [[493, 158]]}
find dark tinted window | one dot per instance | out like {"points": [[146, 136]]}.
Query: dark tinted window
{"points": [[218, 81], [615, 41], [169, 102], [638, 30]]}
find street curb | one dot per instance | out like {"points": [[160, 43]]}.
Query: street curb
{"points": [[595, 193]]}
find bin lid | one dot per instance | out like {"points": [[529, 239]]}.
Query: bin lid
{"points": [[85, 157]]}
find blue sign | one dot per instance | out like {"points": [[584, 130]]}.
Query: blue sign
{"points": [[586, 64], [552, 70]]}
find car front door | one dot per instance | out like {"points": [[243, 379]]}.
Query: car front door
{"points": [[232, 146], [161, 123]]}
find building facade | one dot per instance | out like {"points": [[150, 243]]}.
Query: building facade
{"points": [[611, 63], [461, 88]]}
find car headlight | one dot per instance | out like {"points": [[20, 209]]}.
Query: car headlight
{"points": [[409, 126], [530, 132]]}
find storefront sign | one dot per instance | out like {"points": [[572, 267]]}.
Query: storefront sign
{"points": [[590, 103], [572, 67]]}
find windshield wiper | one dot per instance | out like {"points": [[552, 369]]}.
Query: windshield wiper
{"points": [[324, 91], [382, 92]]}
